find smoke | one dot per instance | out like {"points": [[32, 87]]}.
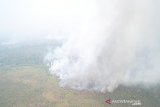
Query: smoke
{"points": [[115, 43]]}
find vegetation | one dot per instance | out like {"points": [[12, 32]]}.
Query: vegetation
{"points": [[25, 82]]}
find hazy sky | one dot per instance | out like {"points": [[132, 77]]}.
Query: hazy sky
{"points": [[39, 18]]}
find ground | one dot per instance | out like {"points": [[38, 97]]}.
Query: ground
{"points": [[26, 82]]}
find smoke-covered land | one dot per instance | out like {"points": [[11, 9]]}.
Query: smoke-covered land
{"points": [[79, 53]]}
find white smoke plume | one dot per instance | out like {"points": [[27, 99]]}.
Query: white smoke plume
{"points": [[116, 43]]}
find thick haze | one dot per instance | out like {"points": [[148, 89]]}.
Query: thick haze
{"points": [[107, 42], [40, 18]]}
